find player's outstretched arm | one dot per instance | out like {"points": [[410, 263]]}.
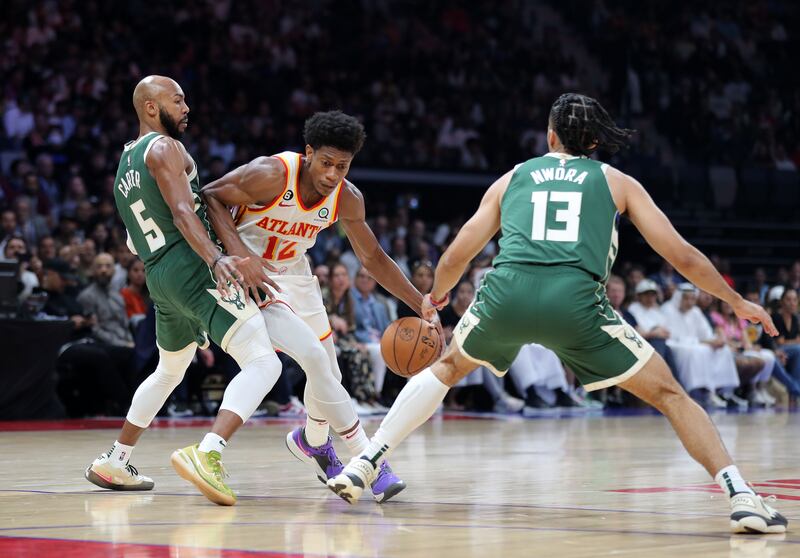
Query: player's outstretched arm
{"points": [[368, 250], [257, 182], [664, 239], [470, 240]]}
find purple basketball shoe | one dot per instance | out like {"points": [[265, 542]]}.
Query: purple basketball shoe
{"points": [[322, 458], [386, 484]]}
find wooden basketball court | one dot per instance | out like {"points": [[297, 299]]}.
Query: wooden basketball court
{"points": [[590, 485]]}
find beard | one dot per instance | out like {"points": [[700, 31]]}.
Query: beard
{"points": [[169, 123]]}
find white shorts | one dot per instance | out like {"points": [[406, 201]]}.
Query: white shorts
{"points": [[301, 293]]}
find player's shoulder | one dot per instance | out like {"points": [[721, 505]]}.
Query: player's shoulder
{"points": [[266, 167], [351, 201], [164, 149]]}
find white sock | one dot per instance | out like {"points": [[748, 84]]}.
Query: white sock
{"points": [[731, 482], [120, 454], [355, 438], [316, 431], [212, 441], [416, 403]]}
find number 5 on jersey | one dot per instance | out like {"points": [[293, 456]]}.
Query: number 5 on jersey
{"points": [[153, 234], [286, 251], [570, 216]]}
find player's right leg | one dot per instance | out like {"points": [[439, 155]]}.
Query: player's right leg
{"points": [[416, 403], [655, 385], [112, 469], [250, 346], [326, 402]]}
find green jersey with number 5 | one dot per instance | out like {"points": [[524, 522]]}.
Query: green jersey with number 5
{"points": [[558, 210], [146, 215]]}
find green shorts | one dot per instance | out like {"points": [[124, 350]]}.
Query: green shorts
{"points": [[559, 307], [188, 305]]}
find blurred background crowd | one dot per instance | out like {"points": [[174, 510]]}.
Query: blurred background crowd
{"points": [[446, 86]]}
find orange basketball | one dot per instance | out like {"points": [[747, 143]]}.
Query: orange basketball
{"points": [[409, 345]]}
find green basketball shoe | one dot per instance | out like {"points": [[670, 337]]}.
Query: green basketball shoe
{"points": [[206, 472]]}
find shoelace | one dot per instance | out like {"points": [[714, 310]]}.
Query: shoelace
{"points": [[216, 466]]}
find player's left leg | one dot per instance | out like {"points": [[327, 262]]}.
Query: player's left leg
{"points": [[416, 403], [326, 401], [655, 385]]}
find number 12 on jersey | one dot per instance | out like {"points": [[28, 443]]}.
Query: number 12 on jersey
{"points": [[286, 251], [570, 215]]}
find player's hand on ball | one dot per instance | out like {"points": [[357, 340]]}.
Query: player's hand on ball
{"points": [[756, 314], [429, 309]]}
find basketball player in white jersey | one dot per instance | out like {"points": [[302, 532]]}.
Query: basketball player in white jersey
{"points": [[281, 203]]}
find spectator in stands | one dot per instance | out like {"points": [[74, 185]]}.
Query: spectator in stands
{"points": [[17, 250], [632, 278], [61, 303], [106, 305], [353, 356], [323, 274], [794, 276], [704, 361], [8, 227], [539, 376], [372, 319], [787, 322], [754, 365], [135, 294], [32, 226], [649, 318], [760, 285], [667, 279], [46, 249], [400, 254]]}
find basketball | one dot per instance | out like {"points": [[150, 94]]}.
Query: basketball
{"points": [[409, 345]]}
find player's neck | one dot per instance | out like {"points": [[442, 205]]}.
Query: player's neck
{"points": [[145, 128], [305, 188]]}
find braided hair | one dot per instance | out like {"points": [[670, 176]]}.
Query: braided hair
{"points": [[583, 125]]}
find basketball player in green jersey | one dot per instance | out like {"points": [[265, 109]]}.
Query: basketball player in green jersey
{"points": [[558, 215], [195, 289]]}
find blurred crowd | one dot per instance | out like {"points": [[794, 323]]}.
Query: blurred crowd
{"points": [[710, 76], [425, 81]]}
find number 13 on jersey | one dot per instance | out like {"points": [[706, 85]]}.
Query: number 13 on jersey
{"points": [[570, 215], [283, 248]]}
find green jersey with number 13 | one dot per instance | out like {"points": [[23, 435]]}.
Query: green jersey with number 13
{"points": [[558, 210], [146, 215]]}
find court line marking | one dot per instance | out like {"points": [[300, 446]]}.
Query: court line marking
{"points": [[264, 553], [634, 532], [396, 502]]}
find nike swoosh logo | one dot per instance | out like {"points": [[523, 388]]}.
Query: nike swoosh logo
{"points": [[285, 204]]}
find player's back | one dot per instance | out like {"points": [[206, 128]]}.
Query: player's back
{"points": [[558, 210], [141, 206]]}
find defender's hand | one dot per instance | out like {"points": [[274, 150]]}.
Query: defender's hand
{"points": [[428, 308], [756, 314], [253, 277]]}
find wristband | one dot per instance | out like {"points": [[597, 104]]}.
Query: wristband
{"points": [[216, 261], [438, 303]]}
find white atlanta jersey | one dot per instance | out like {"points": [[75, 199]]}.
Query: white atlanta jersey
{"points": [[282, 231], [285, 229]]}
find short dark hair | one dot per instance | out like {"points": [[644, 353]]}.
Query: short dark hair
{"points": [[334, 129], [583, 125]]}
